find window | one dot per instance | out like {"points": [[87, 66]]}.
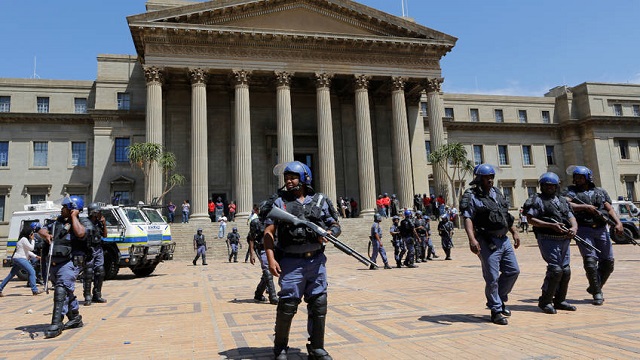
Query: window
{"points": [[5, 103], [2, 202], [40, 153], [531, 190], [507, 191], [546, 117], [624, 149], [503, 155], [475, 115], [124, 101], [636, 109], [551, 157], [617, 109], [43, 105], [477, 155], [631, 193], [122, 149], [123, 197], [4, 153], [448, 113], [499, 115], [526, 155], [79, 154], [427, 147], [36, 198], [522, 116], [423, 108], [80, 105]]}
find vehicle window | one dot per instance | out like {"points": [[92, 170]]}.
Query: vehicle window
{"points": [[110, 218], [153, 215], [623, 209], [135, 216]]}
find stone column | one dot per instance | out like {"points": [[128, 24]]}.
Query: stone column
{"points": [[199, 152], [285, 127], [366, 172], [418, 151], [326, 161], [154, 77], [403, 177], [435, 109], [242, 178]]}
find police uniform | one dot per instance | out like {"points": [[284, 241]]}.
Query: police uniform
{"points": [[200, 244], [445, 227], [376, 246], [422, 230], [491, 221], [256, 236], [407, 232], [554, 248], [94, 263], [233, 239], [303, 271], [597, 266], [66, 259], [398, 245]]}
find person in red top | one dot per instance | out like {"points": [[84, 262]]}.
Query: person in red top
{"points": [[380, 206], [232, 211], [386, 201], [211, 207]]}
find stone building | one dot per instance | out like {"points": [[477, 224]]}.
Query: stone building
{"points": [[234, 87]]}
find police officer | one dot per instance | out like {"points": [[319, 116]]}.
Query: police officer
{"points": [[590, 205], [94, 257], [200, 246], [422, 231], [431, 249], [396, 240], [409, 237], [376, 243], [233, 240], [66, 238], [486, 222], [554, 226], [445, 230], [256, 247], [298, 259]]}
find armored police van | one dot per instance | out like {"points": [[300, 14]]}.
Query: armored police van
{"points": [[137, 236], [628, 214]]}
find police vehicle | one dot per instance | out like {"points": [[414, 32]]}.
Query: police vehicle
{"points": [[137, 236], [628, 214]]}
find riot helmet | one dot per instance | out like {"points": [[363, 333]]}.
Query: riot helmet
{"points": [[93, 208], [481, 170], [377, 218], [235, 229], [73, 203], [574, 170], [549, 178], [407, 213]]}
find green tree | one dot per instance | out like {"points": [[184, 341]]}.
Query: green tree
{"points": [[144, 156], [452, 159]]}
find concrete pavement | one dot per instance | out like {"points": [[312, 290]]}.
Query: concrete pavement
{"points": [[433, 312]]}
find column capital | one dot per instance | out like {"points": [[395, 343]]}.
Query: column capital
{"points": [[198, 76], [241, 77], [283, 78], [154, 74], [362, 81], [433, 85], [398, 83], [323, 80]]}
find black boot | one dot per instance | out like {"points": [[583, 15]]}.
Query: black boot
{"points": [[287, 308], [559, 302], [75, 320], [86, 284], [605, 268], [271, 289], [448, 253], [317, 310], [97, 288], [56, 327], [550, 287], [591, 269]]}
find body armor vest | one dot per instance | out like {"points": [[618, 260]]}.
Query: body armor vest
{"points": [[406, 228], [421, 223], [494, 215], [553, 208], [256, 234], [596, 198], [289, 234], [234, 238], [199, 238], [95, 238]]}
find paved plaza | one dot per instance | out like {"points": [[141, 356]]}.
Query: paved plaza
{"points": [[433, 312]]}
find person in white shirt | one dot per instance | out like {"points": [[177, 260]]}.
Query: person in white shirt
{"points": [[24, 251]]}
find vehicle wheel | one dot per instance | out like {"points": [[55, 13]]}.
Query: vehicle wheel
{"points": [[144, 271], [111, 266], [23, 275]]}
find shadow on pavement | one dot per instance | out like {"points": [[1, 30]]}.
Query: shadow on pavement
{"points": [[448, 319], [249, 353]]}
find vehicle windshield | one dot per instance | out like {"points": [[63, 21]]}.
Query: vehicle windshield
{"points": [[135, 216], [110, 218], [153, 215]]}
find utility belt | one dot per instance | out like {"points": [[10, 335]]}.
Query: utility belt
{"points": [[78, 260], [303, 253], [493, 233], [550, 236], [592, 225]]}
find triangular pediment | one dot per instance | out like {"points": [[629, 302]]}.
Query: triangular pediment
{"points": [[341, 17]]}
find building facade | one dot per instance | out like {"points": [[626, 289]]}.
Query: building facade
{"points": [[234, 87]]}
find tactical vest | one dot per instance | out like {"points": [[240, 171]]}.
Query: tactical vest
{"points": [[551, 211], [199, 239], [419, 223], [494, 215], [289, 234], [406, 228], [597, 199], [61, 241], [256, 234], [233, 238], [94, 236]]}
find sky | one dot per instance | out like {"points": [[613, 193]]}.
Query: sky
{"points": [[505, 47]]}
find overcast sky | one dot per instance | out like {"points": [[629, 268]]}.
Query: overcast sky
{"points": [[510, 47]]}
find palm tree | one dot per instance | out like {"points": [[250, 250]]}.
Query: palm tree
{"points": [[144, 156], [453, 156]]}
